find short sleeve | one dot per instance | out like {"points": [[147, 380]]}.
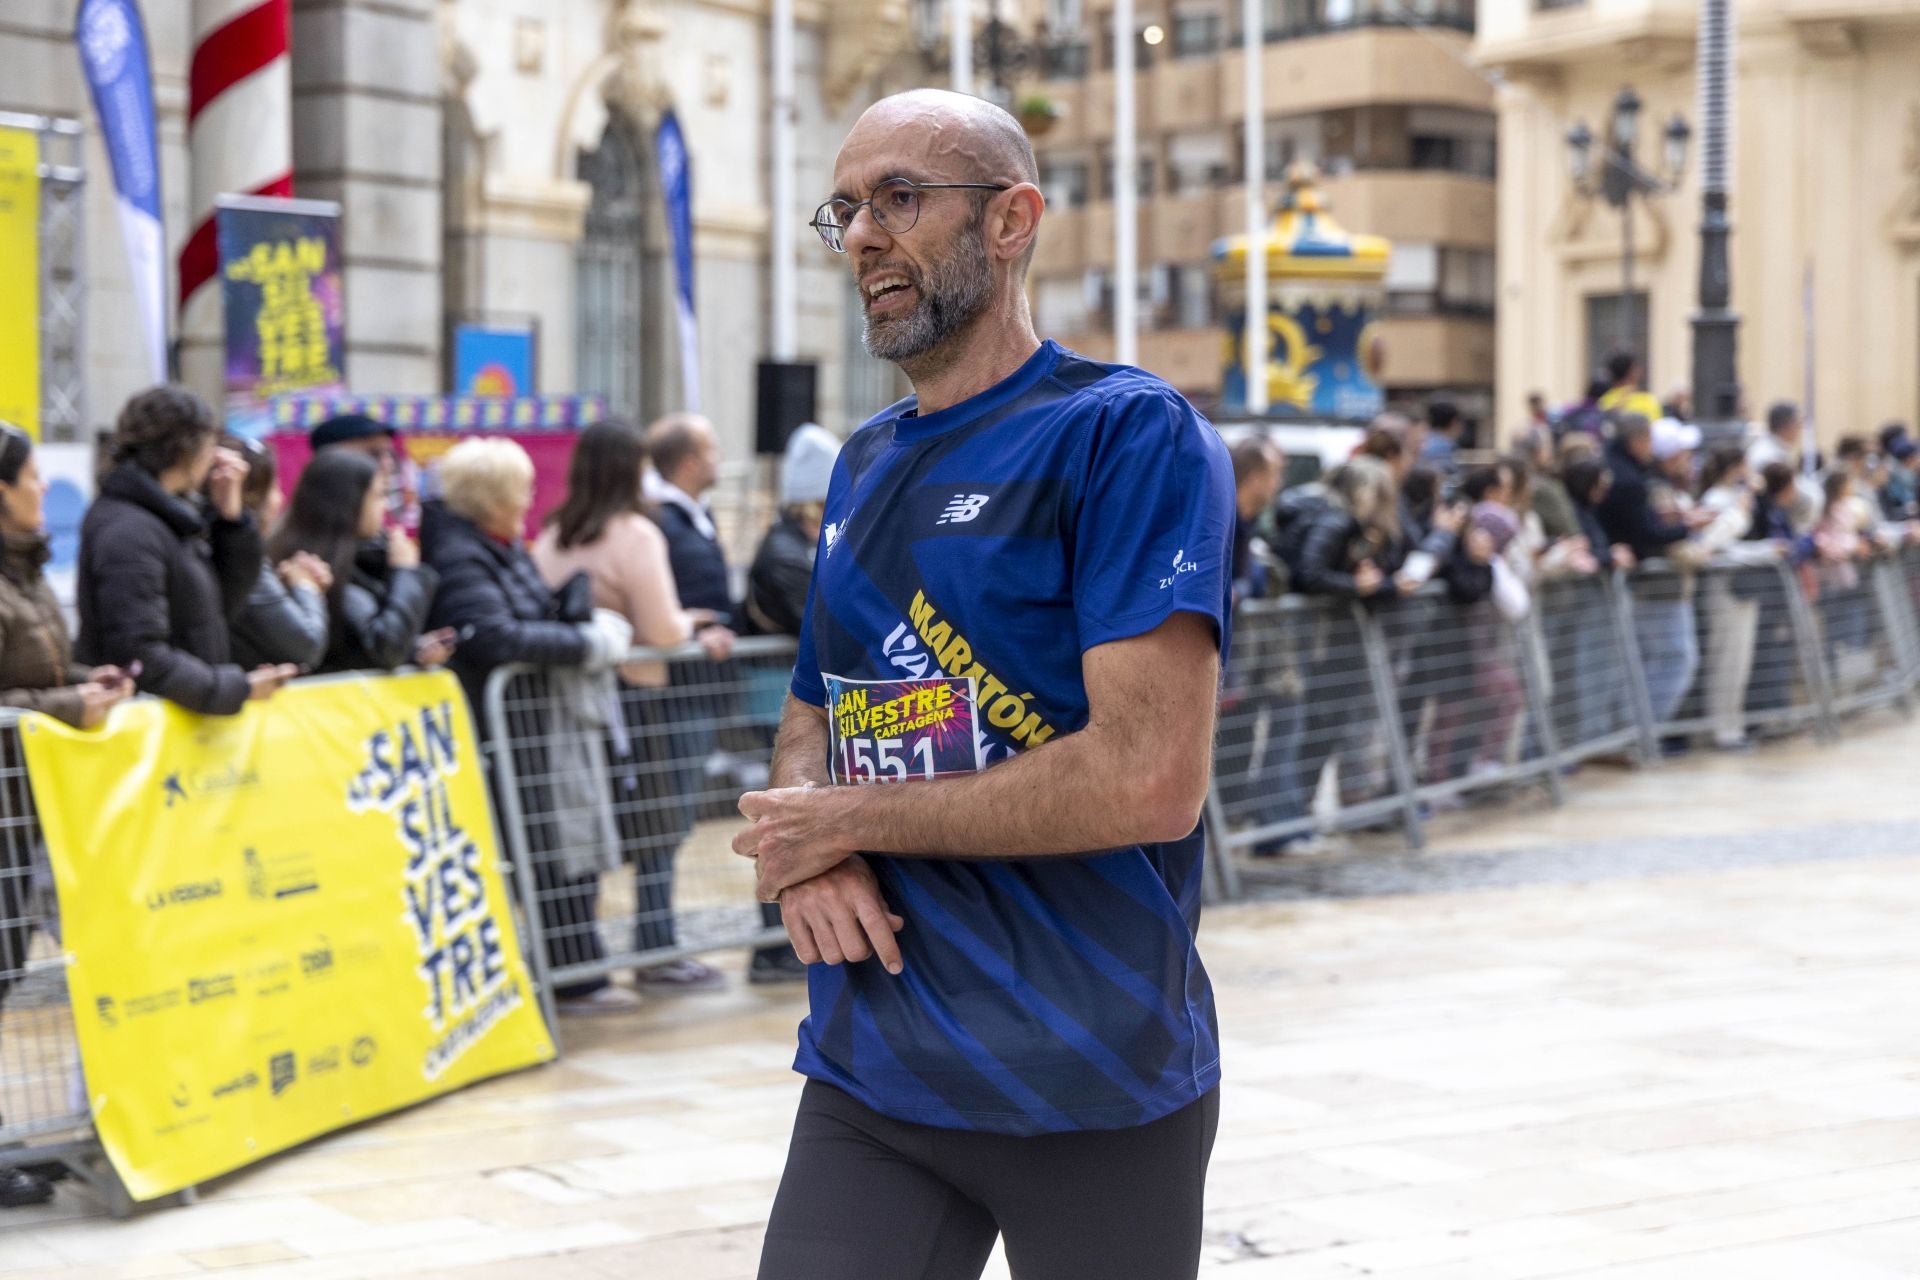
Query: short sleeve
{"points": [[807, 684], [1153, 529]]}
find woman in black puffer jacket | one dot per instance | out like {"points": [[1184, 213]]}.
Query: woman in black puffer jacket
{"points": [[161, 571]]}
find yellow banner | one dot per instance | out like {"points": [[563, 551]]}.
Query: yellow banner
{"points": [[280, 923], [20, 278]]}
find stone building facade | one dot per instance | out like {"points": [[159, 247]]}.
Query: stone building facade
{"points": [[494, 160], [1825, 200]]}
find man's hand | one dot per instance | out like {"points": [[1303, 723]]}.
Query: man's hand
{"points": [[840, 916], [793, 836], [1367, 578]]}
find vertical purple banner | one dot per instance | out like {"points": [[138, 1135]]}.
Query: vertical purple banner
{"points": [[285, 305]]}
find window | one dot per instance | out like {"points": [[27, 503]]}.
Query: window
{"points": [[1143, 176], [1292, 138], [1196, 35], [1426, 279], [1450, 139], [1064, 183], [612, 270], [1060, 305], [1194, 300], [1067, 61], [1466, 280], [1612, 327], [1196, 163]]}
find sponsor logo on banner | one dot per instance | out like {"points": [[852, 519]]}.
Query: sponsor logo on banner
{"points": [[104, 1006], [181, 894], [281, 1072], [317, 963], [212, 987], [363, 1050], [239, 1084], [327, 1059]]}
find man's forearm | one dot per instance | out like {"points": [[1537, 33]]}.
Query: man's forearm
{"points": [[800, 746], [1081, 793]]}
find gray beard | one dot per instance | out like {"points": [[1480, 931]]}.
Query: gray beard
{"points": [[952, 296]]}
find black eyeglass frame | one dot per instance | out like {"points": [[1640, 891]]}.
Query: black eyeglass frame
{"points": [[822, 228]]}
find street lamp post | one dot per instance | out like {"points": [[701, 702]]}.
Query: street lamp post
{"points": [[1618, 179], [1716, 376]]}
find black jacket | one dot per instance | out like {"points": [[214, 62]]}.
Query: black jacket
{"points": [[778, 581], [493, 588], [1627, 513], [279, 623], [379, 613], [699, 563], [1328, 545], [158, 583]]}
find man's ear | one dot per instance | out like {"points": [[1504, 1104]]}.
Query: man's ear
{"points": [[1014, 221]]}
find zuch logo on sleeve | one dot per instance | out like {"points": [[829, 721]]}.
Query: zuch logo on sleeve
{"points": [[1180, 565]]}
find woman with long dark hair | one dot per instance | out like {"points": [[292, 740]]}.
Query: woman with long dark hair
{"points": [[285, 616], [602, 530], [381, 592]]}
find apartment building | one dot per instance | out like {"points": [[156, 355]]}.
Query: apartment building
{"points": [[1381, 95]]}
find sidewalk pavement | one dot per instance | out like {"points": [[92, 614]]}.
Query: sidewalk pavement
{"points": [[1671, 1034]]}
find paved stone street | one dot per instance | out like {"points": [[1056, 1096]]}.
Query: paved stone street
{"points": [[1667, 1031]]}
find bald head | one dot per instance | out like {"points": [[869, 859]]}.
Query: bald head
{"points": [[982, 142]]}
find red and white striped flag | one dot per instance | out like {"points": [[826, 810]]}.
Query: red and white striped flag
{"points": [[240, 134]]}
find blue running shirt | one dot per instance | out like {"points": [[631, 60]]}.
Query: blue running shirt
{"points": [[1071, 505]]}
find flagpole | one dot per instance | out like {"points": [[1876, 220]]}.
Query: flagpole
{"points": [[785, 306], [1126, 255], [1254, 39], [961, 11]]}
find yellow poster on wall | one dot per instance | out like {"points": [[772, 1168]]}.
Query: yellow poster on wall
{"points": [[20, 278], [281, 922]]}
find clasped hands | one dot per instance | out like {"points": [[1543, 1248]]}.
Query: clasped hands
{"points": [[829, 897]]}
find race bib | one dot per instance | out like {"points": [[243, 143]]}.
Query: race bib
{"points": [[901, 730]]}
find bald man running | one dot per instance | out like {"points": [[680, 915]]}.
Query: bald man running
{"points": [[1018, 610]]}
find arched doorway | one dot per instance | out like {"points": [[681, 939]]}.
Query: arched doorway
{"points": [[617, 274]]}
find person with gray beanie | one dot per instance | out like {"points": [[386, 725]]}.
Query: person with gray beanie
{"points": [[777, 582]]}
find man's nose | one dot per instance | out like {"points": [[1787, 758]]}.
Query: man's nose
{"points": [[864, 233]]}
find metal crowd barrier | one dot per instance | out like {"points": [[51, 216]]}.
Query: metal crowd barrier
{"points": [[1421, 702], [1728, 650], [617, 803]]}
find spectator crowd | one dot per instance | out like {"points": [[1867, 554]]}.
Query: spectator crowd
{"points": [[1414, 522]]}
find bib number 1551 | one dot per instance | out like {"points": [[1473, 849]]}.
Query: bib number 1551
{"points": [[901, 730]]}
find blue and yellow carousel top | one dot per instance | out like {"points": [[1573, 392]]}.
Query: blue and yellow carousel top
{"points": [[1305, 242]]}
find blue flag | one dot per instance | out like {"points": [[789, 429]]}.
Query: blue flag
{"points": [[670, 151], [113, 53]]}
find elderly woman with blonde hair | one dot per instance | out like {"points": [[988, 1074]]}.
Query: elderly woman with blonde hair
{"points": [[492, 595]]}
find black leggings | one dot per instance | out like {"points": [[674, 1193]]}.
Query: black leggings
{"points": [[870, 1197]]}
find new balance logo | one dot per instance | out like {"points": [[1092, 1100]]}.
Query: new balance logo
{"points": [[964, 508]]}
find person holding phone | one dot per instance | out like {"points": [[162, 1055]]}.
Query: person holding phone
{"points": [[377, 606], [37, 670], [285, 616], [169, 554]]}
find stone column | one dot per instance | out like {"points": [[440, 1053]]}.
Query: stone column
{"points": [[367, 133]]}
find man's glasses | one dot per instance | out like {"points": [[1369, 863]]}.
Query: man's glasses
{"points": [[895, 205]]}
